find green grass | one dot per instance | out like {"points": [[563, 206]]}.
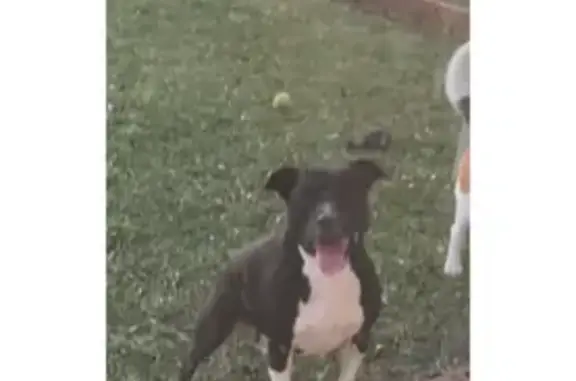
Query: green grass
{"points": [[462, 3], [192, 135]]}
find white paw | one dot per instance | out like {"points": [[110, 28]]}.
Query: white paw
{"points": [[452, 268]]}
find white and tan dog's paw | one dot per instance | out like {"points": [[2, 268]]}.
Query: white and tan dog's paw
{"points": [[453, 268]]}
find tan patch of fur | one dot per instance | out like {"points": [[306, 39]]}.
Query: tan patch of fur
{"points": [[463, 181]]}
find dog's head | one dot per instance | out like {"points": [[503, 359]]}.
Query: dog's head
{"points": [[328, 210]]}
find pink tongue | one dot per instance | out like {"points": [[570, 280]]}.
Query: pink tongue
{"points": [[331, 259]]}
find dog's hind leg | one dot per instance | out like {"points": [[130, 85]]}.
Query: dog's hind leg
{"points": [[215, 324], [453, 264]]}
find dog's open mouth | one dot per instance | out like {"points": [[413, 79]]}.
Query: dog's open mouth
{"points": [[332, 257]]}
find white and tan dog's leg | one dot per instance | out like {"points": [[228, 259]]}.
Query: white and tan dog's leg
{"points": [[453, 264]]}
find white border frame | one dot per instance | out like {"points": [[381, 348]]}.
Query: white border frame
{"points": [[52, 193], [52, 213], [524, 197]]}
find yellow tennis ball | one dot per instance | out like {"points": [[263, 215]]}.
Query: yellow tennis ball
{"points": [[282, 99]]}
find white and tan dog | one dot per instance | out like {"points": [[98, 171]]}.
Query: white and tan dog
{"points": [[457, 89]]}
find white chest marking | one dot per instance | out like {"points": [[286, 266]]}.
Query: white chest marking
{"points": [[332, 314]]}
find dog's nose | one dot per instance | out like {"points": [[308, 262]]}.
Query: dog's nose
{"points": [[327, 219]]}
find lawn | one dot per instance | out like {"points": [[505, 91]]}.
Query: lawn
{"points": [[192, 135]]}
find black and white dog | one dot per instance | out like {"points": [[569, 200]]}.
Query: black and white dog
{"points": [[313, 288]]}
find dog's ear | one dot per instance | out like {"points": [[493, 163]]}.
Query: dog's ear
{"points": [[366, 172], [282, 181]]}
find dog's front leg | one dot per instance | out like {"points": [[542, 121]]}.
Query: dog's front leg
{"points": [[280, 361], [349, 358], [453, 264], [350, 355]]}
